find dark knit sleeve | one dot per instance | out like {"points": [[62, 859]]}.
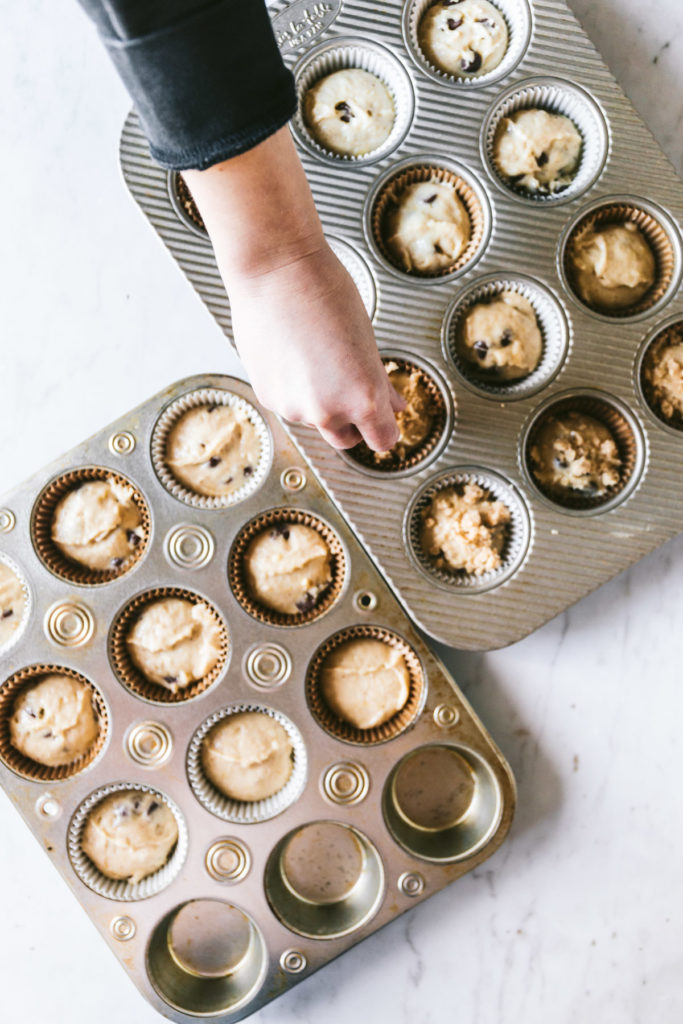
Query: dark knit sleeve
{"points": [[206, 79]]}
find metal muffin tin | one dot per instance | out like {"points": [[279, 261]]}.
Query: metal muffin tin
{"points": [[229, 856], [551, 63]]}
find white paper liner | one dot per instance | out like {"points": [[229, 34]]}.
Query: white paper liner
{"points": [[242, 812], [366, 55], [120, 889], [169, 417], [551, 320]]}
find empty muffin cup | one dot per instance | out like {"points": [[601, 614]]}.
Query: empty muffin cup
{"points": [[15, 603], [246, 812], [625, 432], [207, 957], [133, 678], [343, 729], [343, 54], [313, 603], [660, 235], [55, 558], [517, 17], [324, 880], [123, 889], [405, 457], [184, 205], [442, 802], [551, 322], [659, 374], [554, 96], [14, 688], [384, 199], [516, 534], [250, 475]]}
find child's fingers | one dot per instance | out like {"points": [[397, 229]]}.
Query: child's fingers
{"points": [[398, 402], [380, 430], [341, 437]]}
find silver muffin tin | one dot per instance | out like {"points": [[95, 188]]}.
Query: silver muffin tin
{"points": [[226, 856], [551, 62]]}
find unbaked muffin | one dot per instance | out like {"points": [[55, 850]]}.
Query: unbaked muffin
{"points": [[464, 529], [248, 756], [53, 721], [349, 112], [175, 642], [130, 835], [365, 682]]}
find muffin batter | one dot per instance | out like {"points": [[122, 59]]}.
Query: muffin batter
{"points": [[537, 150], [175, 642], [464, 529], [248, 756], [130, 835], [349, 112], [415, 422], [663, 371], [365, 682], [54, 722], [98, 524], [463, 37], [288, 568], [503, 337], [576, 452], [613, 266], [429, 228], [12, 603], [213, 450]]}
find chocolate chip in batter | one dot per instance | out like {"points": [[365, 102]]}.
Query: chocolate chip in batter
{"points": [[248, 470], [170, 679], [280, 530], [214, 461], [307, 602], [154, 806], [453, 24], [116, 563], [481, 348], [345, 112], [472, 63], [133, 538], [542, 159], [430, 199], [506, 339], [7, 612]]}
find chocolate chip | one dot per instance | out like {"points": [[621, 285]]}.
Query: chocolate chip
{"points": [[481, 348], [453, 24], [346, 118], [472, 63], [41, 712], [170, 679], [47, 734], [211, 408], [514, 179], [345, 112], [133, 538], [542, 159], [116, 563], [136, 805], [7, 612], [154, 806], [505, 339], [485, 21], [430, 199], [280, 530], [307, 602], [229, 480], [30, 712], [248, 470], [214, 461], [437, 248]]}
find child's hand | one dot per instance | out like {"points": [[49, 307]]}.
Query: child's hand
{"points": [[300, 325]]}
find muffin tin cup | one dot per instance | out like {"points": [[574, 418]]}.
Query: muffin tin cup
{"points": [[43, 515], [556, 96], [343, 53], [551, 320], [184, 205], [345, 731], [245, 812], [477, 812], [127, 672], [427, 167], [28, 604], [168, 419], [363, 458], [517, 15], [518, 538], [664, 335], [238, 579], [10, 690], [625, 430], [661, 235], [121, 889]]}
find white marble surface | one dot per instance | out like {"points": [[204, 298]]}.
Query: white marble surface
{"points": [[579, 916]]}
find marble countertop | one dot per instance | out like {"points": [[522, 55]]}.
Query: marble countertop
{"points": [[580, 914]]}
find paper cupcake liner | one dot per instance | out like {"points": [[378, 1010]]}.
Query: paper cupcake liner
{"points": [[627, 436], [518, 536], [366, 55], [659, 234], [132, 678], [551, 320], [168, 419], [396, 725], [237, 575], [41, 527], [387, 191], [184, 205], [28, 604], [517, 15], [245, 812], [25, 766], [120, 889], [364, 456], [556, 96], [655, 345]]}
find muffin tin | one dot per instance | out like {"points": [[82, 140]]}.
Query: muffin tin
{"points": [[228, 923], [588, 357]]}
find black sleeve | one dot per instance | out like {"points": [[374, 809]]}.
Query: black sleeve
{"points": [[206, 78]]}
